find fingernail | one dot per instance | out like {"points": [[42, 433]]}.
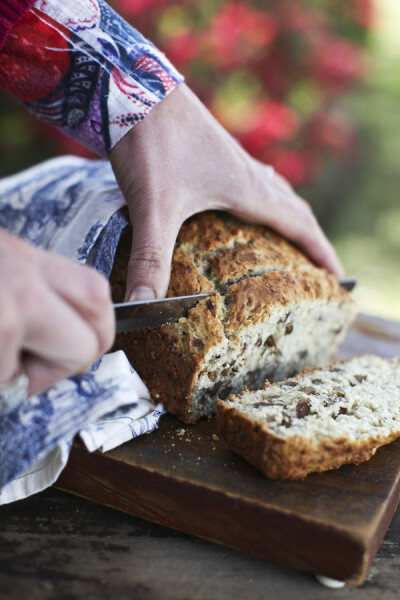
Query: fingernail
{"points": [[142, 293]]}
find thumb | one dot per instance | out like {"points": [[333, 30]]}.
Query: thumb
{"points": [[149, 266]]}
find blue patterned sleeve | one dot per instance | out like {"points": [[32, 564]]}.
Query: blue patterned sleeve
{"points": [[78, 65]]}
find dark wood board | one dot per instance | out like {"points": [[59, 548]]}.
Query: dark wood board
{"points": [[186, 478]]}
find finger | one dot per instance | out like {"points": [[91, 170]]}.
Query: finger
{"points": [[305, 230], [54, 331], [149, 266], [276, 204], [85, 290], [43, 373], [10, 340], [296, 221]]}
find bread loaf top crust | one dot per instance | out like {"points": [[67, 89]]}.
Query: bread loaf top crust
{"points": [[255, 298], [213, 251]]}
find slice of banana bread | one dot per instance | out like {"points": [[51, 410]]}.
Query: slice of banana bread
{"points": [[280, 313], [318, 420]]}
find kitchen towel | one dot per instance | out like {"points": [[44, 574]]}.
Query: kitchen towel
{"points": [[71, 206]]}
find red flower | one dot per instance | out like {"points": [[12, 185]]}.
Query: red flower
{"points": [[239, 34], [362, 12], [292, 165], [294, 15], [334, 131], [137, 7], [269, 122], [182, 49], [279, 72], [337, 63]]}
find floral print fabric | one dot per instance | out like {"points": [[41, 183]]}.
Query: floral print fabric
{"points": [[79, 66]]}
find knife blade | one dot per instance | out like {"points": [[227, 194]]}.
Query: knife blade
{"points": [[153, 313], [131, 316]]}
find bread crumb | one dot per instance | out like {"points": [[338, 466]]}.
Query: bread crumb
{"points": [[180, 432], [215, 438]]}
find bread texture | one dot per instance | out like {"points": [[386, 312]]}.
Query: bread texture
{"points": [[270, 313], [318, 420]]}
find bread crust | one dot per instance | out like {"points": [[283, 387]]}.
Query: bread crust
{"points": [[253, 299], [294, 457], [169, 358], [213, 248]]}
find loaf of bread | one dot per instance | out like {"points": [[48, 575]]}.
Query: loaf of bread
{"points": [[279, 313], [318, 420]]}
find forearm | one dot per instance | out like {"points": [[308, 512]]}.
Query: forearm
{"points": [[81, 67]]}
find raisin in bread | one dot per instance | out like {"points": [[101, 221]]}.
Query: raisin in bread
{"points": [[270, 313], [319, 420]]}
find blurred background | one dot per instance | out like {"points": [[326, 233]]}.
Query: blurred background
{"points": [[309, 86]]}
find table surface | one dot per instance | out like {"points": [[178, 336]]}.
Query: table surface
{"points": [[54, 545]]}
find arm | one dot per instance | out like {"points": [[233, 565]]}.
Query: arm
{"points": [[79, 66]]}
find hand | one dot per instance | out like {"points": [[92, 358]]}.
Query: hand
{"points": [[180, 161], [56, 316]]}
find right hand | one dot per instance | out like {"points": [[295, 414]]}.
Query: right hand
{"points": [[180, 161], [56, 316]]}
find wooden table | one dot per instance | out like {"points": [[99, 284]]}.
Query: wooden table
{"points": [[56, 545]]}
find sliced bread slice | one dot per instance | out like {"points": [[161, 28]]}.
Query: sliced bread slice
{"points": [[318, 420]]}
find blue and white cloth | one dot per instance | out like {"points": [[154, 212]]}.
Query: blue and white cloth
{"points": [[70, 206]]}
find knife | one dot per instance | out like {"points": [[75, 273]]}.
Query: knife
{"points": [[153, 313], [131, 316]]}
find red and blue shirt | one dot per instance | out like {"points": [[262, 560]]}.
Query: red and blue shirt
{"points": [[79, 66]]}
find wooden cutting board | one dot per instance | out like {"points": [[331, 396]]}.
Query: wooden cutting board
{"points": [[185, 477]]}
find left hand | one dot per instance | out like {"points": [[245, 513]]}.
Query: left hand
{"points": [[180, 161], [56, 316]]}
